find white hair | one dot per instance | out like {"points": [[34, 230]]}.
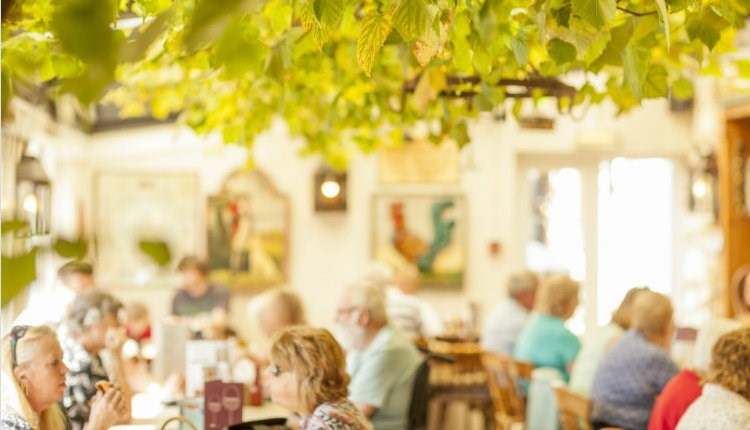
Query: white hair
{"points": [[367, 293], [378, 273], [707, 336]]}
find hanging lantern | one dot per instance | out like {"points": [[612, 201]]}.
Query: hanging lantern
{"points": [[33, 195]]}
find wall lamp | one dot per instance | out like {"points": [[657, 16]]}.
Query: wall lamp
{"points": [[330, 190]]}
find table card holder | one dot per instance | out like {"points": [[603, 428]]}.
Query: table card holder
{"points": [[223, 404]]}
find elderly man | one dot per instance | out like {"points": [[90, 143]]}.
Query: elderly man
{"points": [[504, 324], [381, 360]]}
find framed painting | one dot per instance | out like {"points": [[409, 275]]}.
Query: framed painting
{"points": [[248, 232], [133, 207], [428, 231]]}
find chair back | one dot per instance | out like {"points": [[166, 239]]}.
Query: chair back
{"points": [[574, 408], [422, 390], [507, 380], [264, 424]]}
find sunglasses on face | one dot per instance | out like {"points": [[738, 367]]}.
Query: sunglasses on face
{"points": [[16, 333]]}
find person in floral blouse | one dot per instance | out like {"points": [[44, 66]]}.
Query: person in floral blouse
{"points": [[307, 375]]}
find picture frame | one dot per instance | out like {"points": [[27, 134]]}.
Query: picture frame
{"points": [[135, 206], [247, 232], [426, 230]]}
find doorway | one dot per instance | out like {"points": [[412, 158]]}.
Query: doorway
{"points": [[608, 222]]}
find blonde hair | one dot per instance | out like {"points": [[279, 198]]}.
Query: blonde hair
{"points": [[13, 396], [135, 311], [556, 295], [288, 301], [729, 362], [652, 313], [317, 361], [623, 315]]}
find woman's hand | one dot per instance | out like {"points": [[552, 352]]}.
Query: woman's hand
{"points": [[107, 410], [114, 339]]}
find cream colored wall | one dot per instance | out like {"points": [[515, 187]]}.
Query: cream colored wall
{"points": [[329, 250]]}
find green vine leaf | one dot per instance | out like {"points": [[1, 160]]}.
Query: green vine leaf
{"points": [[561, 52], [411, 19], [373, 32], [705, 26], [596, 12]]}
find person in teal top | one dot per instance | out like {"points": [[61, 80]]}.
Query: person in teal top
{"points": [[544, 340]]}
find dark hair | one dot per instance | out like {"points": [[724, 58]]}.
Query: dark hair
{"points": [[76, 267], [194, 263]]}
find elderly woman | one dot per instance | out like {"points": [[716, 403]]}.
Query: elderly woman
{"points": [[637, 368], [90, 327], [33, 382], [682, 390], [545, 341], [600, 341], [725, 401], [307, 375]]}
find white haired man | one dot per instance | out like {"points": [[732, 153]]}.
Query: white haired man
{"points": [[504, 324], [381, 360]]}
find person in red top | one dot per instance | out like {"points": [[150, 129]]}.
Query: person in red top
{"points": [[682, 390]]}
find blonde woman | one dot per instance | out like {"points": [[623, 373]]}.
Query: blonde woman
{"points": [[682, 390], [637, 368], [544, 340], [33, 382], [308, 376], [725, 401]]}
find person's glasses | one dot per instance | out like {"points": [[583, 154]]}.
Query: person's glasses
{"points": [[16, 333], [275, 371]]}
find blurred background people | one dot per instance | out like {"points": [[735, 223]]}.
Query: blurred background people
{"points": [[725, 400], [307, 375], [411, 314], [600, 341], [545, 341], [278, 309], [636, 369], [137, 322], [89, 328], [73, 277], [197, 295], [381, 360], [507, 319], [682, 390], [33, 382]]}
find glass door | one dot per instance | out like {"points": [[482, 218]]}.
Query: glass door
{"points": [[607, 223]]}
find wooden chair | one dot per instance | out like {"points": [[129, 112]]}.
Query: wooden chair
{"points": [[574, 408], [506, 379]]}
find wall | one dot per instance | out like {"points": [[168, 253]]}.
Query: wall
{"points": [[329, 250]]}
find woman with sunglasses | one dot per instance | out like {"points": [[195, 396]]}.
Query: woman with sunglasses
{"points": [[33, 382], [308, 376]]}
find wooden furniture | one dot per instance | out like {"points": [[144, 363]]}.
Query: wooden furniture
{"points": [[574, 408], [462, 381], [507, 380], [734, 216]]}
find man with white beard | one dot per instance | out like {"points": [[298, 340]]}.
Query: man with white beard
{"points": [[381, 360]]}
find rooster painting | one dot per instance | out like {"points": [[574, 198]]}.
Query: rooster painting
{"points": [[412, 247]]}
